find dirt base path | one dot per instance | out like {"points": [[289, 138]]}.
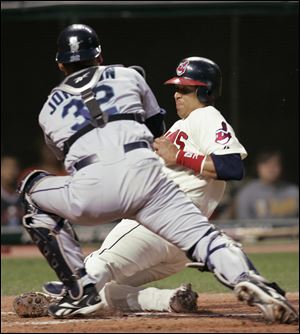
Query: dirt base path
{"points": [[218, 313]]}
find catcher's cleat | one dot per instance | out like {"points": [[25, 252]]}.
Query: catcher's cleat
{"points": [[275, 307], [184, 300], [68, 307], [54, 289]]}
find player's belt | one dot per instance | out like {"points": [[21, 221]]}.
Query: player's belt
{"points": [[111, 118], [92, 159]]}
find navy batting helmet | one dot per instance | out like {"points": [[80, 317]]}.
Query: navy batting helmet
{"points": [[201, 72], [77, 42]]}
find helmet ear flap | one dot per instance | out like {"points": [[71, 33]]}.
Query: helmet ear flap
{"points": [[203, 94]]}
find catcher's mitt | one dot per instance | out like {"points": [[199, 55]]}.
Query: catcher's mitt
{"points": [[32, 304]]}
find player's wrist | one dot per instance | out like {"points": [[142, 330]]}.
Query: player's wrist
{"points": [[190, 160]]}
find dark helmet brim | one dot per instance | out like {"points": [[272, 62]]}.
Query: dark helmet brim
{"points": [[184, 81]]}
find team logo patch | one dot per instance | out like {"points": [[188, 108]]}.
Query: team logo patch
{"points": [[78, 79], [182, 67], [222, 135], [74, 44]]}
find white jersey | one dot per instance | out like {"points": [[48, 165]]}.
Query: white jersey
{"points": [[119, 90], [204, 131]]}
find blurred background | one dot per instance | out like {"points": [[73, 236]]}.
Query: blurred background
{"points": [[256, 45]]}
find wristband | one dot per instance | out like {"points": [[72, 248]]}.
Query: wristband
{"points": [[190, 160]]}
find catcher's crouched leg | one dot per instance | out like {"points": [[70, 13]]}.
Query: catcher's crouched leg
{"points": [[58, 243], [55, 238], [32, 304]]}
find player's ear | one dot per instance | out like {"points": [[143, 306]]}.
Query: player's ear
{"points": [[62, 68], [99, 59]]}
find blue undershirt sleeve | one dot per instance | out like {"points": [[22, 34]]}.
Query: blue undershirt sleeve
{"points": [[228, 166]]}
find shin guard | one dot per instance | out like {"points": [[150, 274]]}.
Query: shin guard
{"points": [[52, 242]]}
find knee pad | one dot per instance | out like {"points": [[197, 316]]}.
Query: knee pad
{"points": [[232, 246], [25, 187]]}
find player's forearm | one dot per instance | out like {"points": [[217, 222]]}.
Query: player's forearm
{"points": [[208, 169], [201, 164], [173, 156], [220, 167]]}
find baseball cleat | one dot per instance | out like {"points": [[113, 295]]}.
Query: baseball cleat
{"points": [[184, 299], [273, 305], [54, 289], [68, 307]]}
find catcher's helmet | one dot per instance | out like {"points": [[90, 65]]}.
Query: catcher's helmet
{"points": [[77, 42], [201, 72]]}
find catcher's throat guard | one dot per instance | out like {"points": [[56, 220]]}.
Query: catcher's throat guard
{"points": [[82, 83]]}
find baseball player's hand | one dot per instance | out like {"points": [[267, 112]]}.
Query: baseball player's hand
{"points": [[166, 150]]}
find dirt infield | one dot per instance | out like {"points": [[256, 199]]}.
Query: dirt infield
{"points": [[218, 313]]}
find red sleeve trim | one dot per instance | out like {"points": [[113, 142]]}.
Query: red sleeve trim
{"points": [[190, 160]]}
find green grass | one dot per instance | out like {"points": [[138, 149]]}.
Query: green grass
{"points": [[21, 275]]}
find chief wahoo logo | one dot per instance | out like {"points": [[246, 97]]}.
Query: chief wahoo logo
{"points": [[222, 135], [182, 67]]}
